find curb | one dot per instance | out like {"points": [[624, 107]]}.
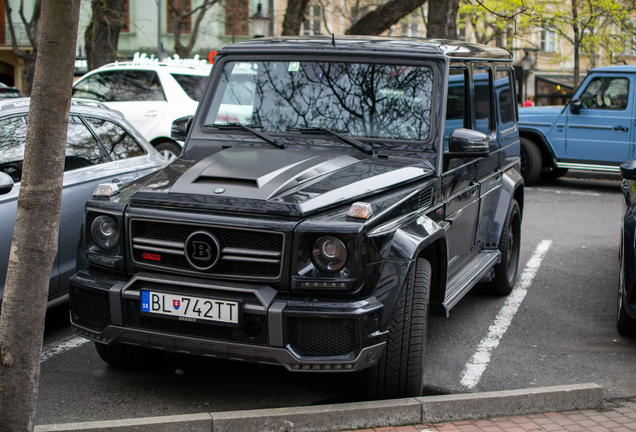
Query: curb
{"points": [[358, 415]]}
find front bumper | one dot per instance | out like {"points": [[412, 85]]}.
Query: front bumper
{"points": [[301, 335]]}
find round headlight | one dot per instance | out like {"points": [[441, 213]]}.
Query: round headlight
{"points": [[329, 254], [105, 232]]}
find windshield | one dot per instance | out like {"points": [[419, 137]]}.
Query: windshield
{"points": [[362, 100]]}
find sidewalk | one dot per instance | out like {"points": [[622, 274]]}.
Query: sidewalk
{"points": [[617, 416]]}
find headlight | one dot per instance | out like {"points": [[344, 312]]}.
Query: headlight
{"points": [[105, 232], [329, 254]]}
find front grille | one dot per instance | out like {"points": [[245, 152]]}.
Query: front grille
{"points": [[241, 253], [252, 329], [321, 336], [91, 308], [426, 197]]}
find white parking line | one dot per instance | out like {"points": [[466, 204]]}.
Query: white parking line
{"points": [[479, 361], [68, 344], [565, 192]]}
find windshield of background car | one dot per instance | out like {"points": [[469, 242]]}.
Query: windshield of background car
{"points": [[363, 100]]}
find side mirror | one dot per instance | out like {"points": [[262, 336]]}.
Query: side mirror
{"points": [[575, 106], [180, 128], [628, 170], [6, 183], [467, 143]]}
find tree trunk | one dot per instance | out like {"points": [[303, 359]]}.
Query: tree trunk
{"points": [[382, 18], [102, 34], [442, 19], [35, 236], [577, 44], [294, 17]]}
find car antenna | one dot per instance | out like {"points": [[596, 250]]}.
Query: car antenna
{"points": [[333, 40]]}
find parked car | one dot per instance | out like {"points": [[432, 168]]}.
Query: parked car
{"points": [[150, 94], [101, 146], [593, 132], [626, 306], [7, 92], [318, 231]]}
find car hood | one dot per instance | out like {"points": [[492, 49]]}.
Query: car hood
{"points": [[260, 180]]}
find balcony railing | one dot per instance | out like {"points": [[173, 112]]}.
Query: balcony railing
{"points": [[20, 34]]}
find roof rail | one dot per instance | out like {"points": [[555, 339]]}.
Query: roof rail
{"points": [[88, 102]]}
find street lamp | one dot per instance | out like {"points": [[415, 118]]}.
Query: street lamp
{"points": [[259, 22]]}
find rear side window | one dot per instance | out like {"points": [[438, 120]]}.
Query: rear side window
{"points": [[117, 142], [506, 105], [101, 87], [140, 86], [82, 149], [12, 137], [193, 85]]}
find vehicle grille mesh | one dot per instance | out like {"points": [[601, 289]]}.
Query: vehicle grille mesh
{"points": [[91, 308], [321, 336]]}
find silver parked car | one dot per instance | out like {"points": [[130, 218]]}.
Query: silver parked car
{"points": [[101, 147]]}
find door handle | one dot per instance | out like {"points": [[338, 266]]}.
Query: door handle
{"points": [[621, 128], [152, 113]]}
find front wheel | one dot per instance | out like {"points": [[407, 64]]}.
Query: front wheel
{"points": [[626, 324], [400, 371], [530, 161], [509, 247]]}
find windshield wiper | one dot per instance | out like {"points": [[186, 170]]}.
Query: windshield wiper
{"points": [[349, 140], [273, 141]]}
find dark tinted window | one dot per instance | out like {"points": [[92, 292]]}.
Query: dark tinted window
{"points": [[483, 100], [12, 137], [138, 86], [82, 149], [117, 142], [101, 87], [191, 84], [503, 86]]}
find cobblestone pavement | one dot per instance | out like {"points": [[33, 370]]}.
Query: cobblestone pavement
{"points": [[614, 416]]}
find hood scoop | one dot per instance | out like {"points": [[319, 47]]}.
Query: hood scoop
{"points": [[256, 173]]}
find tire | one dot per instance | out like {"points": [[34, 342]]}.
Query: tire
{"points": [[128, 355], [530, 161], [626, 324], [400, 371], [509, 246], [169, 149], [553, 173]]}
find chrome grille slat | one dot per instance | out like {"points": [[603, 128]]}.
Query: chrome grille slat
{"points": [[159, 250], [165, 243], [250, 259], [239, 251]]}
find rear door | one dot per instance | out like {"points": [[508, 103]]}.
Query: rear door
{"points": [[601, 134]]}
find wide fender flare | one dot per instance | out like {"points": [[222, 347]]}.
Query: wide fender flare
{"points": [[407, 243], [510, 184]]}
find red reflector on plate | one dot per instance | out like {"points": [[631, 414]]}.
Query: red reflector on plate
{"points": [[152, 257]]}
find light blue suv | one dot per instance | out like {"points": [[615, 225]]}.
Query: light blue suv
{"points": [[594, 132]]}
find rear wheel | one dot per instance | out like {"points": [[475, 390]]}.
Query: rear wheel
{"points": [[626, 324], [509, 246], [400, 371], [128, 355], [169, 149], [530, 161]]}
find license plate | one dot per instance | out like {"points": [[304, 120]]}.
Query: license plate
{"points": [[190, 308]]}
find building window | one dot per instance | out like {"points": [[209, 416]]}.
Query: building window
{"points": [[312, 25], [186, 24], [237, 17], [125, 19], [548, 41]]}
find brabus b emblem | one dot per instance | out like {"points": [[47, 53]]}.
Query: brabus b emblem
{"points": [[219, 190], [202, 250]]}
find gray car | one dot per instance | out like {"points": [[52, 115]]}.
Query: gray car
{"points": [[101, 147]]}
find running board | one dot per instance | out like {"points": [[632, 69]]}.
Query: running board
{"points": [[459, 285]]}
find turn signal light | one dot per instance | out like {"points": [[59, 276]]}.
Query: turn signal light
{"points": [[360, 210]]}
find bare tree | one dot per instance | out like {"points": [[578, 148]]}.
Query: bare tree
{"points": [[382, 18], [181, 15], [102, 34], [35, 235], [31, 29], [294, 16]]}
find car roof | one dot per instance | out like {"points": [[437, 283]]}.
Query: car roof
{"points": [[193, 66], [78, 106], [382, 45], [616, 68]]}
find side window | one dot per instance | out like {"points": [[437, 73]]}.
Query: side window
{"points": [[12, 137], [505, 101], [193, 85], [456, 102], [608, 93], [101, 87], [118, 143], [82, 149], [483, 100], [139, 85]]}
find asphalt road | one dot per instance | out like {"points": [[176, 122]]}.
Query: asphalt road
{"points": [[562, 332]]}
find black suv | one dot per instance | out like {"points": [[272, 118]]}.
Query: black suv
{"points": [[331, 192]]}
